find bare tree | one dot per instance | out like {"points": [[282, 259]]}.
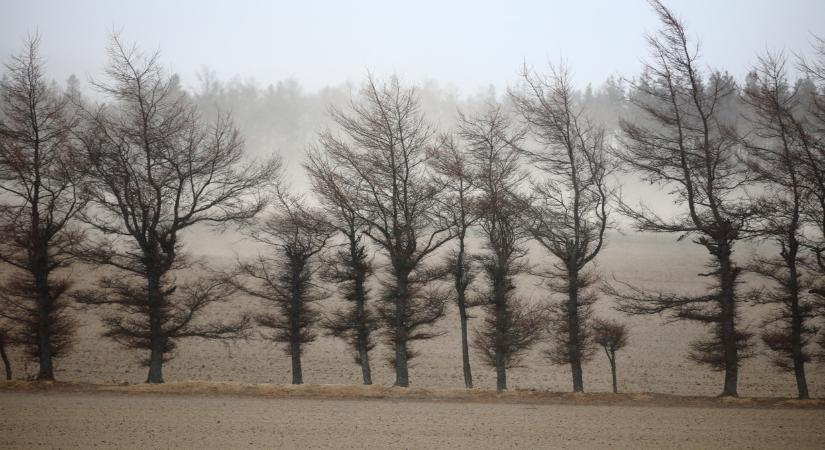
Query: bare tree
{"points": [[510, 326], [569, 214], [811, 135], [383, 159], [349, 266], [286, 279], [157, 170], [456, 179], [40, 184], [612, 337], [775, 154], [681, 140]]}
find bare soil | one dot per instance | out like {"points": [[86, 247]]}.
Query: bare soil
{"points": [[232, 415]]}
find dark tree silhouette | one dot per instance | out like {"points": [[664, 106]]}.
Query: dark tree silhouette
{"points": [[40, 182], [811, 136], [569, 214], [681, 140], [774, 153], [510, 327], [285, 280], [384, 162], [455, 176], [349, 266], [157, 170], [612, 337]]}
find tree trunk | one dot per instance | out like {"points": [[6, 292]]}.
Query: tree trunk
{"points": [[728, 308], [44, 311], [402, 377], [295, 353], [501, 330], [573, 318], [461, 299], [796, 322], [360, 305], [44, 355], [501, 372], [155, 365], [40, 272], [360, 268], [157, 339], [295, 321], [6, 362], [44, 348], [799, 367], [465, 348], [364, 355], [612, 359]]}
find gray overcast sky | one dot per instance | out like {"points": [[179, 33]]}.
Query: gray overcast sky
{"points": [[469, 44]]}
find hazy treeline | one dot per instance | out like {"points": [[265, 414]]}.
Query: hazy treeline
{"points": [[286, 118], [411, 199]]}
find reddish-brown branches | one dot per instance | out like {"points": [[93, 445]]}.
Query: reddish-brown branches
{"points": [[40, 184], [383, 161], [285, 280], [681, 139], [569, 211], [156, 169]]}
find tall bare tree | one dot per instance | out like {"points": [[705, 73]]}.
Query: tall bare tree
{"points": [[569, 215], [510, 326], [683, 141], [611, 336], [384, 161], [350, 265], [811, 136], [40, 184], [775, 153], [286, 279], [454, 173], [156, 171]]}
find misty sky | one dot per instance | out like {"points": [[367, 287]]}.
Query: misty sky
{"points": [[467, 44]]}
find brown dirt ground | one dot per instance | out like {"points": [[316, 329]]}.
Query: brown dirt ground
{"points": [[232, 415]]}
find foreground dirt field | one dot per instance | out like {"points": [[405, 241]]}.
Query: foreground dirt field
{"points": [[92, 418]]}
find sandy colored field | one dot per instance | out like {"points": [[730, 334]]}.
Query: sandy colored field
{"points": [[655, 360], [95, 419]]}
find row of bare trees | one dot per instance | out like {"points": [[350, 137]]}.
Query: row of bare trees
{"points": [[114, 185], [758, 181], [405, 219]]}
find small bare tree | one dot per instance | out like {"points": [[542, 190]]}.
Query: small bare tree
{"points": [[510, 326], [384, 162], [40, 183], [349, 266], [569, 215], [682, 141], [775, 153], [612, 337], [286, 279], [156, 171], [454, 174]]}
